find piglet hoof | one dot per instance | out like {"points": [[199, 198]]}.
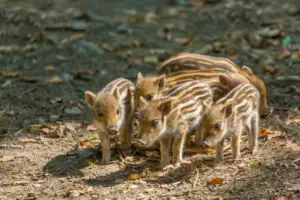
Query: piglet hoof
{"points": [[177, 165], [168, 167], [126, 152], [105, 159], [185, 162], [219, 161], [254, 151]]}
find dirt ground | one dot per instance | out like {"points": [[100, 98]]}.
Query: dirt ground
{"points": [[53, 51]]}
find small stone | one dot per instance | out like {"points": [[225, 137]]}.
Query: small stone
{"points": [[150, 17], [36, 185], [270, 164], [63, 58], [133, 186], [41, 120], [67, 76], [86, 48], [269, 32], [74, 195], [49, 68], [73, 111], [205, 49], [85, 153], [53, 118], [119, 181], [79, 24], [124, 29], [255, 40]]}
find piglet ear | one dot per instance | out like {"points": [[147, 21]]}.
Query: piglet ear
{"points": [[90, 98], [166, 107], [116, 93], [228, 111], [139, 78], [143, 101], [247, 70], [224, 79], [161, 82]]}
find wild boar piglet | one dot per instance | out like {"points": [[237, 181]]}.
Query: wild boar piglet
{"points": [[113, 113], [228, 117], [172, 117]]}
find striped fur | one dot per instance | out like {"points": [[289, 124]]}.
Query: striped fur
{"points": [[157, 87], [113, 112], [192, 61], [173, 116], [228, 117], [221, 83]]}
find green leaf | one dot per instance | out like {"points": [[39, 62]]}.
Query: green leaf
{"points": [[286, 41]]}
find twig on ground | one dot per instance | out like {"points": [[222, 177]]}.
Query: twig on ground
{"points": [[25, 92], [196, 180], [262, 147], [285, 127], [4, 110], [294, 162]]}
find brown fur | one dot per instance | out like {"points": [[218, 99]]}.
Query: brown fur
{"points": [[148, 87], [113, 113]]}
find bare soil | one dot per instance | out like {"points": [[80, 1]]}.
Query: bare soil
{"points": [[53, 51]]}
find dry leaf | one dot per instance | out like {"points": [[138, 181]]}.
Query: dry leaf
{"points": [[288, 197], [77, 36], [293, 146], [45, 130], [95, 136], [165, 34], [56, 79], [81, 143], [27, 140], [151, 59], [28, 79], [71, 127], [136, 43], [90, 163], [109, 48], [183, 40], [215, 181], [283, 53], [274, 134], [7, 158], [21, 182], [265, 132], [134, 176], [9, 74], [270, 70], [91, 127], [292, 121]]}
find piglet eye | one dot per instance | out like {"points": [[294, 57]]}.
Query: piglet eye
{"points": [[155, 123], [118, 112], [100, 114], [150, 97], [218, 125]]}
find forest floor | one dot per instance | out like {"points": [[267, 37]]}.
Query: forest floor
{"points": [[53, 51]]}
